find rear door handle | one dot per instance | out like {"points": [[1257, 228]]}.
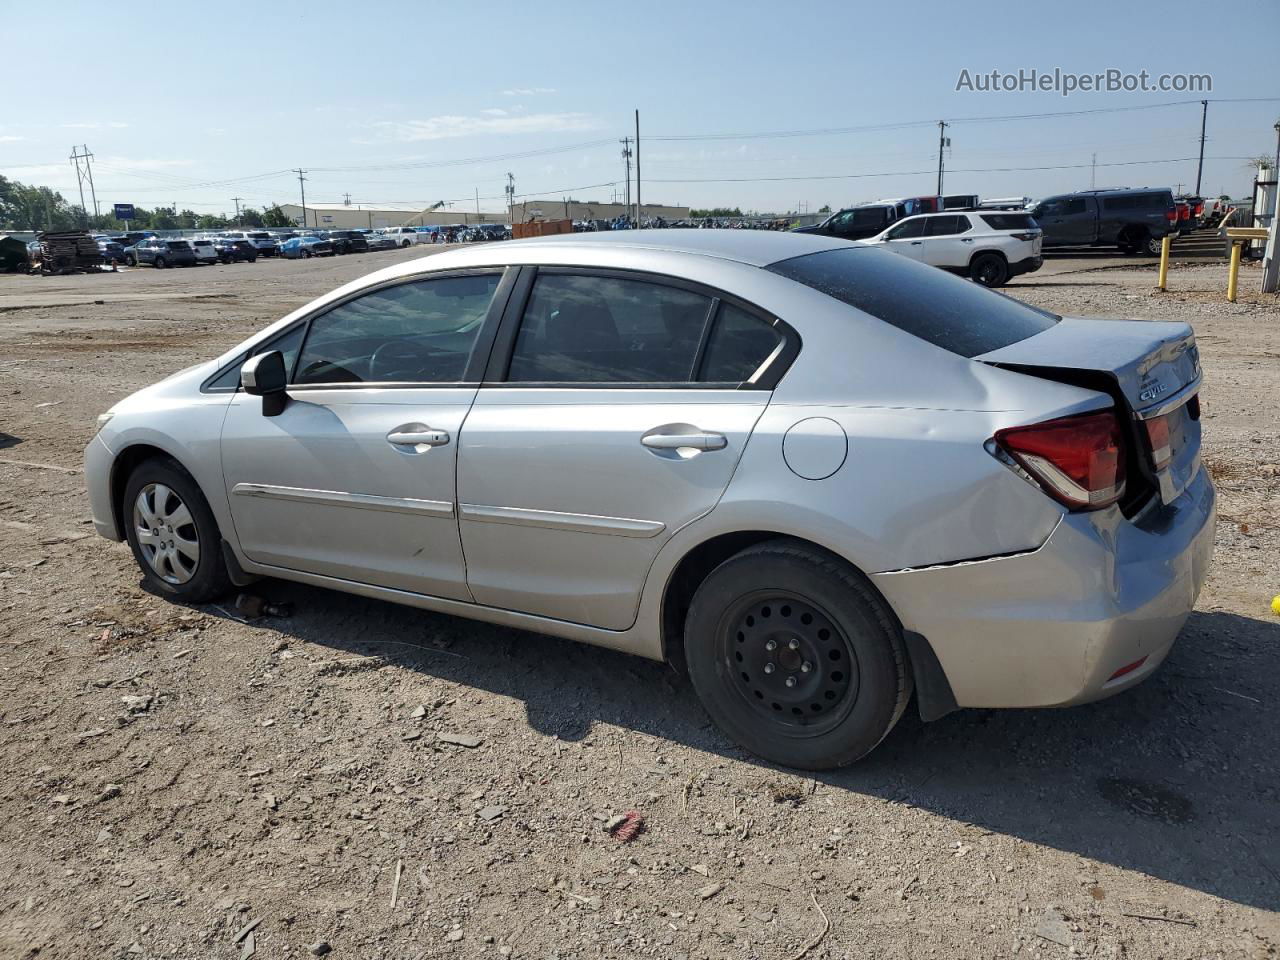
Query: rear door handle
{"points": [[678, 441], [417, 436]]}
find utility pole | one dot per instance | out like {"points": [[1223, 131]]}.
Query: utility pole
{"points": [[1093, 171], [86, 174], [477, 204], [236, 200], [1204, 117], [943, 141], [511, 198], [626, 165], [346, 199], [302, 186], [639, 206]]}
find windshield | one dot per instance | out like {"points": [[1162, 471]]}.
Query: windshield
{"points": [[923, 301]]}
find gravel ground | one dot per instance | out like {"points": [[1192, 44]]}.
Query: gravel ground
{"points": [[392, 783]]}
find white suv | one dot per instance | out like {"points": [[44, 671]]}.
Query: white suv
{"points": [[989, 247], [205, 252], [404, 236]]}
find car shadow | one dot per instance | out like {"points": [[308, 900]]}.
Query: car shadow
{"points": [[1174, 778]]}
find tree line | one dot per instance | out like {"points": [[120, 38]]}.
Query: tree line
{"points": [[29, 207]]}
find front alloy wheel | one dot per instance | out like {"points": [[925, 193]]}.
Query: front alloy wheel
{"points": [[172, 533], [167, 534]]}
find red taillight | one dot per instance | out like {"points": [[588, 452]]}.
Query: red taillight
{"points": [[1184, 212], [1171, 214], [1158, 437], [1199, 209], [1030, 235], [1079, 461]]}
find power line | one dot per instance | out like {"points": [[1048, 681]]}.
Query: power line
{"points": [[1001, 118], [916, 173]]}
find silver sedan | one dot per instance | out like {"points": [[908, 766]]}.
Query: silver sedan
{"points": [[818, 476]]}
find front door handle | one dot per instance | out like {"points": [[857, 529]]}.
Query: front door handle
{"points": [[678, 441], [418, 436]]}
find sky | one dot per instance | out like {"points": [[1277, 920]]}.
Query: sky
{"points": [[395, 101]]}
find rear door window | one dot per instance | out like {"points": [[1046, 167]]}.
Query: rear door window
{"points": [[582, 328], [740, 344], [923, 301], [946, 226]]}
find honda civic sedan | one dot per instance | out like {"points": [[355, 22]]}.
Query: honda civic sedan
{"points": [[817, 476]]}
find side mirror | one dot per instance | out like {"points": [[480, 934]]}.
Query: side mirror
{"points": [[264, 376]]}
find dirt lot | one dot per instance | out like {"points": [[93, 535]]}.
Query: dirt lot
{"points": [[175, 776]]}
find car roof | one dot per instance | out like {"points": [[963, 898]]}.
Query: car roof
{"points": [[753, 247]]}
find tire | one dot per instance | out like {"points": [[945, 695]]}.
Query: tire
{"points": [[131, 261], [989, 269], [1151, 245], [161, 493], [307, 254], [159, 263], [405, 244], [253, 259], [831, 633]]}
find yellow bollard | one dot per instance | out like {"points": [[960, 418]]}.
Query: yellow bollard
{"points": [[1233, 272], [1165, 244]]}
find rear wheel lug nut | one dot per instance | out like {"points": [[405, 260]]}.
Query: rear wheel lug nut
{"points": [[771, 645], [793, 644], [806, 667], [769, 668], [791, 681]]}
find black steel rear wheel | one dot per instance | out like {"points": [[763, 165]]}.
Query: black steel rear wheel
{"points": [[789, 661], [796, 656]]}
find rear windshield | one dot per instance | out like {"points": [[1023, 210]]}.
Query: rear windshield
{"points": [[178, 245], [1009, 221], [955, 314]]}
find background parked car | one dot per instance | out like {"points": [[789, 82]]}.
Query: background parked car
{"points": [[305, 247], [111, 249], [204, 250], [348, 241], [162, 253], [375, 240], [231, 250], [1132, 220], [262, 241], [988, 247]]}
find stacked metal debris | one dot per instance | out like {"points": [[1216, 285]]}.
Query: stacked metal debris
{"points": [[68, 251]]}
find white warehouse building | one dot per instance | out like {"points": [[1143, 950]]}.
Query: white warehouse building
{"points": [[349, 216]]}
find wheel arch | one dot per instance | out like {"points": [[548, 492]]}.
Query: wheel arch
{"points": [[698, 562], [122, 467], [986, 250]]}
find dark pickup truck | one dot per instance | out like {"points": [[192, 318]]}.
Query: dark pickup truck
{"points": [[858, 223], [1135, 221]]}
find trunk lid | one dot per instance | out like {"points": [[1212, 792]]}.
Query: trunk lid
{"points": [[1152, 371]]}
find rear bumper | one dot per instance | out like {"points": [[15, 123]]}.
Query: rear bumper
{"points": [[1053, 626], [1029, 265]]}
